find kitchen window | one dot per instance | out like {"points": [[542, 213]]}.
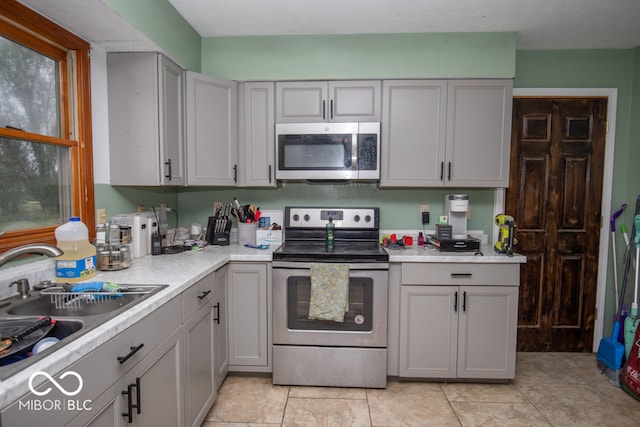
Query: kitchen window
{"points": [[46, 172]]}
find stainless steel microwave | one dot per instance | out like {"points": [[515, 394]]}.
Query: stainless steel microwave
{"points": [[328, 151]]}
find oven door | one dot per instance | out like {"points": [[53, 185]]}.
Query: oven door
{"points": [[317, 151], [364, 325]]}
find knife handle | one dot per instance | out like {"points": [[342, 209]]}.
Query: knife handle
{"points": [[45, 321]]}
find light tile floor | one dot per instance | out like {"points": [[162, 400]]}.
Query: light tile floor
{"points": [[550, 389]]}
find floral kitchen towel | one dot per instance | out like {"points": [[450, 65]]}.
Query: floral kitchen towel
{"points": [[329, 291]]}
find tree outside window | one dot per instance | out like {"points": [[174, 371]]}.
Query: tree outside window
{"points": [[46, 174]]}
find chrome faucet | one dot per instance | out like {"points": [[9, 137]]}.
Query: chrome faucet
{"points": [[35, 249]]}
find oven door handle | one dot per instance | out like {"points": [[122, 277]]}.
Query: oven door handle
{"points": [[352, 266]]}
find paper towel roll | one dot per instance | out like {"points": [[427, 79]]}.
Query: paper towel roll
{"points": [[139, 236]]}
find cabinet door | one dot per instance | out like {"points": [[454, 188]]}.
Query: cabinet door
{"points": [[257, 135], [301, 102], [134, 151], [106, 410], [248, 322], [355, 101], [171, 85], [200, 389], [428, 331], [478, 133], [487, 333], [211, 130], [221, 327], [413, 133], [150, 394], [160, 385]]}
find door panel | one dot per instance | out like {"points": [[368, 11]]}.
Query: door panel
{"points": [[555, 196]]}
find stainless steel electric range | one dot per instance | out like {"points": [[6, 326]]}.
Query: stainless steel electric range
{"points": [[319, 352]]}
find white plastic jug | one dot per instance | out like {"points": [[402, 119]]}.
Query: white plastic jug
{"points": [[78, 262]]}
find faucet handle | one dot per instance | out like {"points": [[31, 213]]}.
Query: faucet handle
{"points": [[22, 286]]}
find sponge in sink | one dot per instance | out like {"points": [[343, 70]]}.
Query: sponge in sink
{"points": [[92, 287]]}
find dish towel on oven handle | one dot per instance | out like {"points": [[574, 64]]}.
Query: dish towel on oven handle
{"points": [[329, 291]]}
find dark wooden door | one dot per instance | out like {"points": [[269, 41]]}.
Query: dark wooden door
{"points": [[554, 194]]}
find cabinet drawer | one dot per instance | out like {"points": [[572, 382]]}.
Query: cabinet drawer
{"points": [[197, 296], [460, 274]]}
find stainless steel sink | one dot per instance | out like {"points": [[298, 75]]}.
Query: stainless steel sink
{"points": [[75, 316], [85, 304]]}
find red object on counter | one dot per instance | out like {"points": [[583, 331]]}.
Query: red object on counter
{"points": [[394, 239], [407, 241]]}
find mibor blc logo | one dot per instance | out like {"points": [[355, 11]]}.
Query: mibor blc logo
{"points": [[48, 404], [55, 383]]}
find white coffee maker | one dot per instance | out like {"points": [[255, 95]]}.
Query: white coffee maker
{"points": [[456, 207]]}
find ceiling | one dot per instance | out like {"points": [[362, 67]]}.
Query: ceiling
{"points": [[538, 24]]}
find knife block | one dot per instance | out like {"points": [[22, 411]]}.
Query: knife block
{"points": [[218, 230]]}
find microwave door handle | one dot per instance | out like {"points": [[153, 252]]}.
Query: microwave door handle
{"points": [[354, 152]]}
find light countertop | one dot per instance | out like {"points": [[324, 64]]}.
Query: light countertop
{"points": [[431, 254]]}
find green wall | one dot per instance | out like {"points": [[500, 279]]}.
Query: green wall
{"points": [[119, 200], [159, 20], [399, 208], [361, 56]]}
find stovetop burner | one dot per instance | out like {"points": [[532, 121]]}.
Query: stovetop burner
{"points": [[356, 235]]}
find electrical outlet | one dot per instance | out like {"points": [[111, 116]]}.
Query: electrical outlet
{"points": [[101, 216], [424, 214], [217, 205]]}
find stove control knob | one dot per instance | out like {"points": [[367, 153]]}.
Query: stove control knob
{"points": [[296, 217], [367, 218], [356, 218], [307, 218]]}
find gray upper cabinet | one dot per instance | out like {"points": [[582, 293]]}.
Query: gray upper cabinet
{"points": [[146, 142], [478, 133], [446, 133], [413, 132], [211, 134], [333, 101], [256, 150]]}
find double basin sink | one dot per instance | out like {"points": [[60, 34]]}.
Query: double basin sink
{"points": [[74, 315]]}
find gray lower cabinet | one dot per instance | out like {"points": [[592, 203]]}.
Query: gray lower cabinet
{"points": [[198, 311], [450, 330], [249, 301], [149, 395], [145, 356], [221, 327], [163, 370], [206, 360]]}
